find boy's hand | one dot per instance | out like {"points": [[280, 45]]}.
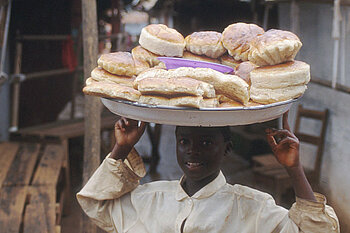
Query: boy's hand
{"points": [[127, 134], [286, 150], [284, 144]]}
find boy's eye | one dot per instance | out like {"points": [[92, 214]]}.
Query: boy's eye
{"points": [[207, 142], [183, 141]]}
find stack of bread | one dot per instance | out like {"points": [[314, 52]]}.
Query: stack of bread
{"points": [[264, 64]]}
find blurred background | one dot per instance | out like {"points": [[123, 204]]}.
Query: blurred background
{"points": [[42, 105]]}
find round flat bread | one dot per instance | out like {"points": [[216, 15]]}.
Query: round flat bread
{"points": [[206, 43], [111, 90], [160, 39], [274, 47], [100, 74], [236, 39], [291, 73], [119, 63], [142, 54]]}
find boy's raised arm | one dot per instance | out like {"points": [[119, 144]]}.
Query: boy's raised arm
{"points": [[310, 212], [285, 146], [110, 185]]}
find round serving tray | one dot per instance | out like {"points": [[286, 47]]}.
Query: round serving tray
{"points": [[197, 117]]}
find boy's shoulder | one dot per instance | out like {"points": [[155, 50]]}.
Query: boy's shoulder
{"points": [[246, 192], [157, 186]]}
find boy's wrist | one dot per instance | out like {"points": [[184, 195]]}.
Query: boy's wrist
{"points": [[295, 171], [120, 152]]}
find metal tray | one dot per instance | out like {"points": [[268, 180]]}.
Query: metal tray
{"points": [[197, 117]]}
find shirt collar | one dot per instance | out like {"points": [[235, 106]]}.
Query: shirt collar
{"points": [[204, 192]]}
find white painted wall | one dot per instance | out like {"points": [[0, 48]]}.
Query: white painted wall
{"points": [[317, 50]]}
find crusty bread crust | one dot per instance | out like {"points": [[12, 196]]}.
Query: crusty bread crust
{"points": [[100, 74], [206, 43], [291, 73], [230, 85], [140, 65], [111, 90], [243, 70], [175, 86], [210, 103], [268, 96], [119, 63], [236, 39], [187, 101], [274, 47], [140, 53], [162, 40], [227, 60], [154, 100], [151, 73]]}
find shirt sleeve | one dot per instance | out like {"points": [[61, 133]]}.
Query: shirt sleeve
{"points": [[312, 216], [304, 216], [112, 180]]}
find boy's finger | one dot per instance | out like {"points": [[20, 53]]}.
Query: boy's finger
{"points": [[285, 121], [288, 140], [122, 124], [271, 141], [118, 126], [270, 130], [125, 121], [282, 133], [142, 126]]}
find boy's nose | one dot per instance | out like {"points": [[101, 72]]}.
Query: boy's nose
{"points": [[193, 149]]}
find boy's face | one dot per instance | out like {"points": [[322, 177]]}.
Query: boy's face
{"points": [[199, 151]]}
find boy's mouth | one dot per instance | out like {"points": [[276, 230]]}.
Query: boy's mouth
{"points": [[192, 165]]}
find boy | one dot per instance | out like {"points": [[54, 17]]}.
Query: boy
{"points": [[201, 201]]}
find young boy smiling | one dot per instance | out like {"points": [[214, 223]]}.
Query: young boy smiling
{"points": [[201, 201]]}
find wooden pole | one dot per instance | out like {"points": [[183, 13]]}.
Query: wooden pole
{"points": [[92, 104], [16, 89]]}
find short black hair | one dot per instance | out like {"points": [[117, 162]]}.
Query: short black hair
{"points": [[224, 130]]}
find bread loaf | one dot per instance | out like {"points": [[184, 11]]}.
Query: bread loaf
{"points": [[274, 47], [159, 39], [206, 43], [175, 86], [100, 74], [111, 90]]}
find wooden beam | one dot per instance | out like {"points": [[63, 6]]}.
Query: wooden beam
{"points": [[35, 219], [8, 152], [92, 104], [23, 165], [12, 200]]}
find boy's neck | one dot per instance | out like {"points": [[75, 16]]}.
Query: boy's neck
{"points": [[192, 186]]}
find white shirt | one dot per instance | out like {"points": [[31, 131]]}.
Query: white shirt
{"points": [[116, 202]]}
